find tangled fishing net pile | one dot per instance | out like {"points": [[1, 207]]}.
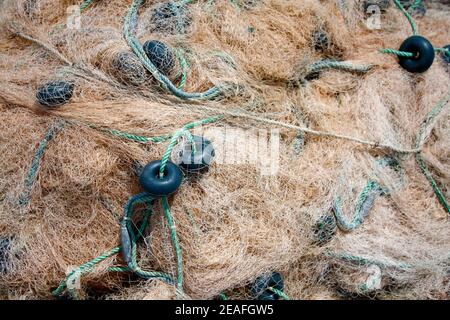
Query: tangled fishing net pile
{"points": [[354, 204]]}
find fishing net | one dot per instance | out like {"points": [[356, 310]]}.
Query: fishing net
{"points": [[331, 162]]}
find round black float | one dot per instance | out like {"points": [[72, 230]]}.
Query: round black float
{"points": [[260, 288], [423, 54], [160, 55], [158, 186], [194, 161], [54, 93], [446, 56]]}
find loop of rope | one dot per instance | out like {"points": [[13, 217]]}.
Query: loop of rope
{"points": [[136, 47]]}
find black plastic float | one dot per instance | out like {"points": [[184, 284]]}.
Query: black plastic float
{"points": [[157, 186], [54, 93], [423, 52]]}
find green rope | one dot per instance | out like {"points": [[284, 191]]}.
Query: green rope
{"points": [[165, 82], [175, 243], [410, 54], [184, 66], [363, 261], [398, 53], [223, 296], [30, 179], [365, 202], [142, 198], [407, 15], [420, 161]]}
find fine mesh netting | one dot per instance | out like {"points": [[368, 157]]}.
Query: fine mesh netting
{"points": [[331, 162]]}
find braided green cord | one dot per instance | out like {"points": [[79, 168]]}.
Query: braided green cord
{"points": [[398, 53], [223, 296], [30, 179], [363, 205], [407, 15], [279, 293], [175, 243], [340, 65], [179, 133], [420, 161], [162, 79], [417, 3]]}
